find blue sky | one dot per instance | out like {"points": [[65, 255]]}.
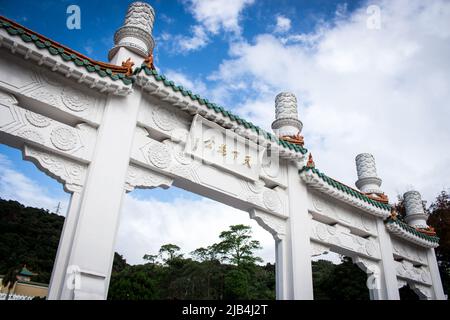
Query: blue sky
{"points": [[360, 89]]}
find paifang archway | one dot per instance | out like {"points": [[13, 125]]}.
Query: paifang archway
{"points": [[103, 129]]}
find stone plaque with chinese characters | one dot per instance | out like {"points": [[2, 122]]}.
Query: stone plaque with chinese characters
{"points": [[224, 149]]}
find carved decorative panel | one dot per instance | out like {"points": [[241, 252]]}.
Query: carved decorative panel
{"points": [[67, 171], [343, 214], [339, 238]]}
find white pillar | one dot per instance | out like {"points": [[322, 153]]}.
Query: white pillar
{"points": [[57, 284], [283, 274], [388, 277], [91, 252], [299, 236], [437, 289]]}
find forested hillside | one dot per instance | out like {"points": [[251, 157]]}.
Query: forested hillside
{"points": [[229, 269]]}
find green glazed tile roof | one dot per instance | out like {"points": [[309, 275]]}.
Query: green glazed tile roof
{"points": [[219, 109], [28, 36], [412, 230], [350, 191]]}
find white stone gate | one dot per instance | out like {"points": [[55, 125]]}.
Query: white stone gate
{"points": [[103, 129]]}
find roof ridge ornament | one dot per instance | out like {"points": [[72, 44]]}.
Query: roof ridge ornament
{"points": [[149, 62], [129, 65]]}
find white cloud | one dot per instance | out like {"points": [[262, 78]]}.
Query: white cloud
{"points": [[215, 15], [360, 90], [194, 85], [14, 185], [283, 24], [198, 40], [212, 17], [190, 224]]}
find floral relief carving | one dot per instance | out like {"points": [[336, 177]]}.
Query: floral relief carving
{"points": [[75, 100], [163, 119], [256, 186], [271, 200], [37, 120], [43, 94], [31, 135], [64, 139], [159, 155], [370, 248], [406, 270], [340, 236]]}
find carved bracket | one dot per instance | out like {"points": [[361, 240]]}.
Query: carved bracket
{"points": [[274, 224], [138, 177], [70, 173]]}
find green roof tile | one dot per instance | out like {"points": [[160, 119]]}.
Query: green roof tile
{"points": [[53, 48]]}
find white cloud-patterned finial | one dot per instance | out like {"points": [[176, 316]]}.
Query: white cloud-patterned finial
{"points": [[286, 114], [415, 213], [368, 180], [136, 33]]}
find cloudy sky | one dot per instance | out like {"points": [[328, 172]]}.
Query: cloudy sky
{"points": [[370, 76]]}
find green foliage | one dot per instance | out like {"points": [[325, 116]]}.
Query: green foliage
{"points": [[169, 253], [28, 236], [344, 281], [224, 270], [237, 246], [440, 220], [119, 263]]}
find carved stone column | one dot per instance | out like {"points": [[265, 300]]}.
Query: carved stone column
{"points": [[135, 35], [286, 115], [415, 213], [368, 180]]}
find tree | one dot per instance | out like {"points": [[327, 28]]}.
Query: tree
{"points": [[119, 263], [211, 253], [170, 252], [151, 258], [344, 281], [439, 219], [10, 280], [237, 245]]}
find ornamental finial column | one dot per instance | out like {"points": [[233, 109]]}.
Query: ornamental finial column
{"points": [[368, 181], [135, 35], [415, 212], [287, 126]]}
